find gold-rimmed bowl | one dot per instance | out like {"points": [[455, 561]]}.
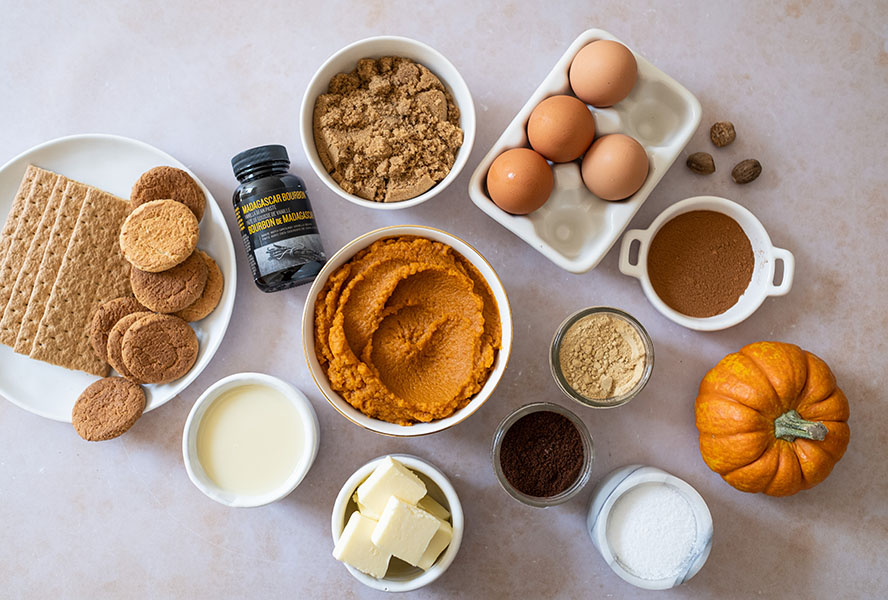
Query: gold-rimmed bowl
{"points": [[338, 402]]}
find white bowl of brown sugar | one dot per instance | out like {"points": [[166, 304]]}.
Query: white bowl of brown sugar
{"points": [[387, 122], [706, 263]]}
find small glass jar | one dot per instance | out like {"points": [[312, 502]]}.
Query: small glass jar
{"points": [[275, 220], [558, 374], [585, 469]]}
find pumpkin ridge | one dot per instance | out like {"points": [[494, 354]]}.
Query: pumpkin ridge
{"points": [[791, 399], [721, 396], [789, 477], [818, 459], [818, 373], [751, 477], [756, 459], [832, 408], [729, 452], [739, 379], [721, 415]]}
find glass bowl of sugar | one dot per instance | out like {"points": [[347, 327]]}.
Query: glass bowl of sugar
{"points": [[653, 529], [601, 357]]}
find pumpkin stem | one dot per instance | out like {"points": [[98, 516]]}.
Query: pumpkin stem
{"points": [[790, 425]]}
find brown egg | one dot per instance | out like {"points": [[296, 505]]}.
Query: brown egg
{"points": [[519, 181], [561, 128], [603, 73], [615, 167]]}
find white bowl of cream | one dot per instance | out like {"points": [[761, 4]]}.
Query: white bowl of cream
{"points": [[249, 440]]}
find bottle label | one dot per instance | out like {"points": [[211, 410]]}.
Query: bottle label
{"points": [[281, 231]]}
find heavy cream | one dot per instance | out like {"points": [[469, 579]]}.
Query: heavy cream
{"points": [[250, 440]]}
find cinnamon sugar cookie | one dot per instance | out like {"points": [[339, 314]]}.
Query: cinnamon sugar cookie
{"points": [[159, 235], [212, 293], [115, 341], [173, 289], [159, 348], [107, 409], [168, 183], [106, 317]]}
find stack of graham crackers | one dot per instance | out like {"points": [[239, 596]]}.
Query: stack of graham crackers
{"points": [[59, 260]]}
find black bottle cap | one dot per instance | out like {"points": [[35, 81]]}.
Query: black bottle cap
{"points": [[246, 160]]}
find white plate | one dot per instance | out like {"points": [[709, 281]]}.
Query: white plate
{"points": [[111, 163], [575, 229]]}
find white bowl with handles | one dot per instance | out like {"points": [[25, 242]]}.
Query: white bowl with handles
{"points": [[760, 286]]}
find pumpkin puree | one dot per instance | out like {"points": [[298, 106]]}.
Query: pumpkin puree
{"points": [[407, 330]]}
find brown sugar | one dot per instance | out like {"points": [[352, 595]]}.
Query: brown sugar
{"points": [[700, 263], [388, 131]]}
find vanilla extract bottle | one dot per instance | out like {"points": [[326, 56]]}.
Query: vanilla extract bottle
{"points": [[275, 219]]}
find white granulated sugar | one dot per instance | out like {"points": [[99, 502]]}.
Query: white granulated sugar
{"points": [[652, 531]]}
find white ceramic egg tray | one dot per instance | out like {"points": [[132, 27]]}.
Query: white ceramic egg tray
{"points": [[575, 228]]}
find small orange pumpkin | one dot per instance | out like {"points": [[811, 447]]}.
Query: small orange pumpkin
{"points": [[771, 419]]}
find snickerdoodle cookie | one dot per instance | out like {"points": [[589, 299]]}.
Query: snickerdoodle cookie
{"points": [[159, 348], [212, 292], [168, 183], [107, 408], [106, 316], [171, 290], [159, 235], [115, 341]]}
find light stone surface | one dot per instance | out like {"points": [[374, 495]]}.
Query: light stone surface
{"points": [[804, 82]]}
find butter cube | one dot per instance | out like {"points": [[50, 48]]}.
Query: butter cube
{"points": [[390, 478], [361, 507], [405, 531], [429, 504], [439, 542], [355, 548]]}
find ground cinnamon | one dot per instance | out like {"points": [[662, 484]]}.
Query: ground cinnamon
{"points": [[700, 263]]}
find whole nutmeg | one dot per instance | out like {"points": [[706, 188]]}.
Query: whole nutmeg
{"points": [[701, 163], [746, 171], [722, 133]]}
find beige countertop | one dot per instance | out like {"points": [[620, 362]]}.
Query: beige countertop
{"points": [[805, 84]]}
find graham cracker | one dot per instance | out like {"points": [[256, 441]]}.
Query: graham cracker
{"points": [[24, 283], [20, 240], [57, 245], [18, 203], [92, 272]]}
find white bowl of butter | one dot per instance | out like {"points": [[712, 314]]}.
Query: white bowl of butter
{"points": [[249, 440], [438, 498]]}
